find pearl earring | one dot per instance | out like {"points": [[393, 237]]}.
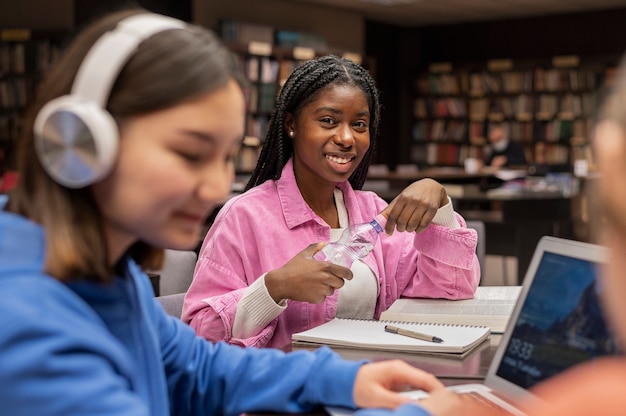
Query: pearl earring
{"points": [[291, 133]]}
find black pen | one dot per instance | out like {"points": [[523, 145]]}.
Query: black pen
{"points": [[412, 334]]}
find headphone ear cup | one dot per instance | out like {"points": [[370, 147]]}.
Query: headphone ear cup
{"points": [[76, 141]]}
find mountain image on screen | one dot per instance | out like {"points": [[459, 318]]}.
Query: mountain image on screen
{"points": [[555, 333]]}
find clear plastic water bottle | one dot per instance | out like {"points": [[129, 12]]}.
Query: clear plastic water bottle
{"points": [[355, 242]]}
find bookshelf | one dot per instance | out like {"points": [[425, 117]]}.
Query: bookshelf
{"points": [[547, 105], [267, 57], [266, 67], [24, 56]]}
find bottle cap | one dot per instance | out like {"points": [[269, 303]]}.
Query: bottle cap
{"points": [[379, 222]]}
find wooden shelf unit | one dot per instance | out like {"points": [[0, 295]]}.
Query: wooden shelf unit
{"points": [[24, 56], [548, 106]]}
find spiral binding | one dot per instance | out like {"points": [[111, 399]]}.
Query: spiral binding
{"points": [[415, 323]]}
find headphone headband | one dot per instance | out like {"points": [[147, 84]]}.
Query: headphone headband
{"points": [[109, 54], [75, 137]]}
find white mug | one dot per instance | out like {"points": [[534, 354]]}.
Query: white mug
{"points": [[472, 165], [581, 168]]}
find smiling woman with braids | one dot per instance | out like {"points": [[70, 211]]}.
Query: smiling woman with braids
{"points": [[125, 153], [256, 282]]}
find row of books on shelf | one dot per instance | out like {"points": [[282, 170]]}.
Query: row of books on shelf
{"points": [[556, 130], [441, 84], [445, 154], [26, 57], [266, 76], [256, 125], [242, 32], [267, 69], [454, 154], [479, 108], [440, 107], [582, 153], [500, 82], [479, 83], [246, 158], [461, 131], [567, 79], [564, 130], [520, 131], [507, 107], [454, 130], [551, 154], [10, 127], [236, 31], [260, 68], [474, 83], [542, 106], [261, 97], [15, 92], [522, 107], [567, 106]]}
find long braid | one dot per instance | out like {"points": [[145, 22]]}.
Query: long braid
{"points": [[303, 86], [357, 179]]}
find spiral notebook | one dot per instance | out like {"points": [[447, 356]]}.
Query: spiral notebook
{"points": [[371, 334]]}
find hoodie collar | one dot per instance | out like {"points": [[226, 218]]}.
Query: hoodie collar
{"points": [[22, 243]]}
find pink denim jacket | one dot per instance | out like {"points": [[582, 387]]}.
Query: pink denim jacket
{"points": [[263, 228]]}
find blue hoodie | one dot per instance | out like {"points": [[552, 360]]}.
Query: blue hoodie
{"points": [[85, 348]]}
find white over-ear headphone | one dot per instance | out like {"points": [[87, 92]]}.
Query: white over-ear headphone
{"points": [[75, 137]]}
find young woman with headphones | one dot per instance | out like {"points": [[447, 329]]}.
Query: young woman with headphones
{"points": [[129, 153]]}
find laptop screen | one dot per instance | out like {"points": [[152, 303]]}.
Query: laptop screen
{"points": [[560, 323]]}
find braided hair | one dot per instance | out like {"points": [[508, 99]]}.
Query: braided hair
{"points": [[302, 87]]}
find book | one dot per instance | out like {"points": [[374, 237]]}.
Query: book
{"points": [[371, 334], [491, 306]]}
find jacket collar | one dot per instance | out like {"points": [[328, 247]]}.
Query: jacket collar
{"points": [[293, 205]]}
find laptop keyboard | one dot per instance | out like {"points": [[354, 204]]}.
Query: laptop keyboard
{"points": [[483, 402]]}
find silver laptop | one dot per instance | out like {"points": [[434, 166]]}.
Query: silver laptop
{"points": [[556, 323]]}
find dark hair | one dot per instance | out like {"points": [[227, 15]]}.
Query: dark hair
{"points": [[302, 87], [167, 69]]}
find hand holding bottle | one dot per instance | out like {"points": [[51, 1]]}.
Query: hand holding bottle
{"points": [[415, 207], [304, 279], [411, 211], [355, 242]]}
